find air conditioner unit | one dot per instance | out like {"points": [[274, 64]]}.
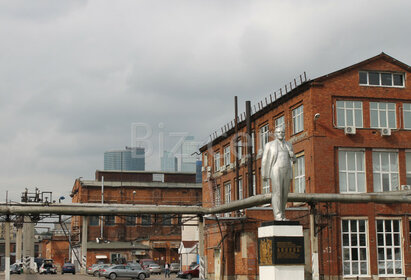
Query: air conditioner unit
{"points": [[208, 168], [385, 131], [222, 168], [202, 168], [405, 187], [349, 130], [231, 165]]}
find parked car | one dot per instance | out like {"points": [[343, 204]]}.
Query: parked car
{"points": [[188, 274], [48, 267], [101, 267], [16, 268], [68, 268], [95, 268], [146, 262], [124, 271], [174, 268], [154, 268]]}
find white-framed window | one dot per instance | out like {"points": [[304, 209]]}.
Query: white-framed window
{"points": [[389, 247], [240, 149], [205, 161], [406, 109], [298, 119], [383, 115], [252, 142], [217, 196], [263, 136], [408, 166], [227, 192], [354, 247], [279, 122], [254, 185], [217, 161], [240, 188], [385, 170], [351, 164], [383, 79], [227, 155], [349, 113], [299, 174], [266, 186]]}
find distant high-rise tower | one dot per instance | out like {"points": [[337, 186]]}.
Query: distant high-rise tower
{"points": [[132, 159], [188, 160], [169, 162]]}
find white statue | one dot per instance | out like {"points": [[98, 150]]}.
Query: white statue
{"points": [[276, 165]]}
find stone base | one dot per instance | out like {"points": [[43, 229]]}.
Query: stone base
{"points": [[282, 272], [280, 229]]}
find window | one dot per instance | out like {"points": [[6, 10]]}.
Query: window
{"points": [[227, 155], [240, 149], [205, 161], [381, 79], [216, 162], [349, 113], [109, 220], [130, 220], [299, 175], [254, 186], [298, 120], [227, 192], [383, 115], [279, 122], [354, 247], [167, 219], [114, 258], [217, 196], [93, 220], [240, 188], [146, 219], [408, 167], [263, 136], [351, 165], [406, 108], [385, 168], [389, 247], [252, 142], [266, 186]]}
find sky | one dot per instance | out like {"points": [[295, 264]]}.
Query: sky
{"points": [[79, 77]]}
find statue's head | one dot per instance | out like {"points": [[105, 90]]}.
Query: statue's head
{"points": [[279, 132]]}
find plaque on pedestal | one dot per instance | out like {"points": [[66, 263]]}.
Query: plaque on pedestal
{"points": [[281, 251]]}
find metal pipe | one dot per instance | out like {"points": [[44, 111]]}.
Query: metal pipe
{"points": [[94, 209]]}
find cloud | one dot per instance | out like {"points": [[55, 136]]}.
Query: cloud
{"points": [[75, 75]]}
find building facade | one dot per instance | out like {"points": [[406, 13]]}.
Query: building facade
{"points": [[129, 238], [132, 159], [351, 133]]}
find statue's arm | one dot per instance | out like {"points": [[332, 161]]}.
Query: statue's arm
{"points": [[291, 152]]}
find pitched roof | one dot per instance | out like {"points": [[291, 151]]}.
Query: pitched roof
{"points": [[382, 55]]}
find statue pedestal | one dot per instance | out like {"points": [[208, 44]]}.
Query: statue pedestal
{"points": [[281, 251]]}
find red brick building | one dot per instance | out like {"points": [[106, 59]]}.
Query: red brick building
{"points": [[120, 238], [351, 132]]}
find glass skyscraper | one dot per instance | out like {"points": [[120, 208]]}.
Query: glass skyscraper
{"points": [[131, 159]]}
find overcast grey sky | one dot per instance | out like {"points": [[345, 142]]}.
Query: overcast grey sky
{"points": [[75, 75]]}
